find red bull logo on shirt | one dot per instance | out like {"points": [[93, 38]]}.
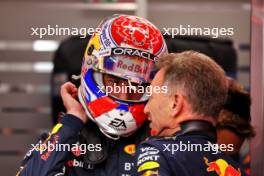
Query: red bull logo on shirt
{"points": [[130, 149], [151, 173], [221, 168]]}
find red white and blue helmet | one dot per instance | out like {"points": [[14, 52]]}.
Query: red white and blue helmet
{"points": [[125, 47]]}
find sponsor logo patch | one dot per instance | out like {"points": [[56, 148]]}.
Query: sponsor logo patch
{"points": [[148, 166]]}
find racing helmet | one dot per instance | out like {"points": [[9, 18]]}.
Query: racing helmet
{"points": [[125, 47]]}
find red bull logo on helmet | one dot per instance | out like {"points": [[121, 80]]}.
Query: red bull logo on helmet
{"points": [[132, 67], [221, 168]]}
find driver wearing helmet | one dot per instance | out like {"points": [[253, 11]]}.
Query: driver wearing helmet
{"points": [[118, 65]]}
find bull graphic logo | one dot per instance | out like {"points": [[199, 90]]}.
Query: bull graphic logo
{"points": [[151, 173], [133, 31], [221, 167]]}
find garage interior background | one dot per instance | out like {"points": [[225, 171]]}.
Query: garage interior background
{"points": [[26, 61]]}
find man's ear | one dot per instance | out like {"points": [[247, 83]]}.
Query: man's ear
{"points": [[176, 104]]}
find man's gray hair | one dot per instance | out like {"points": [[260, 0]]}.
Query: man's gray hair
{"points": [[201, 79]]}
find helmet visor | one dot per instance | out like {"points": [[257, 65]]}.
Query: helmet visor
{"points": [[134, 68], [134, 75], [123, 89], [131, 70]]}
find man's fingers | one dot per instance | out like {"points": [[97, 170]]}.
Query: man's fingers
{"points": [[74, 95], [69, 94], [68, 88]]}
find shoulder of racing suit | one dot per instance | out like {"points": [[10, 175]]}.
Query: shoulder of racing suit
{"points": [[116, 159], [191, 151]]}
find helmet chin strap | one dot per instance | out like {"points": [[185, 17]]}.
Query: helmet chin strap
{"points": [[76, 77], [131, 86], [108, 135]]}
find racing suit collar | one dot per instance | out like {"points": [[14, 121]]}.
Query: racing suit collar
{"points": [[200, 127], [193, 127]]}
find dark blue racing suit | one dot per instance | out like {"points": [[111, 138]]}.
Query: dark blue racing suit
{"points": [[107, 158], [191, 151]]}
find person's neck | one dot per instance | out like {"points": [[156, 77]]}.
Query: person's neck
{"points": [[169, 131]]}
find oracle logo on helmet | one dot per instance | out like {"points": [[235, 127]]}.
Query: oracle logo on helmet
{"points": [[132, 52]]}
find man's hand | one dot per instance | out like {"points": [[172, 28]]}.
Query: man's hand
{"points": [[69, 95]]}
